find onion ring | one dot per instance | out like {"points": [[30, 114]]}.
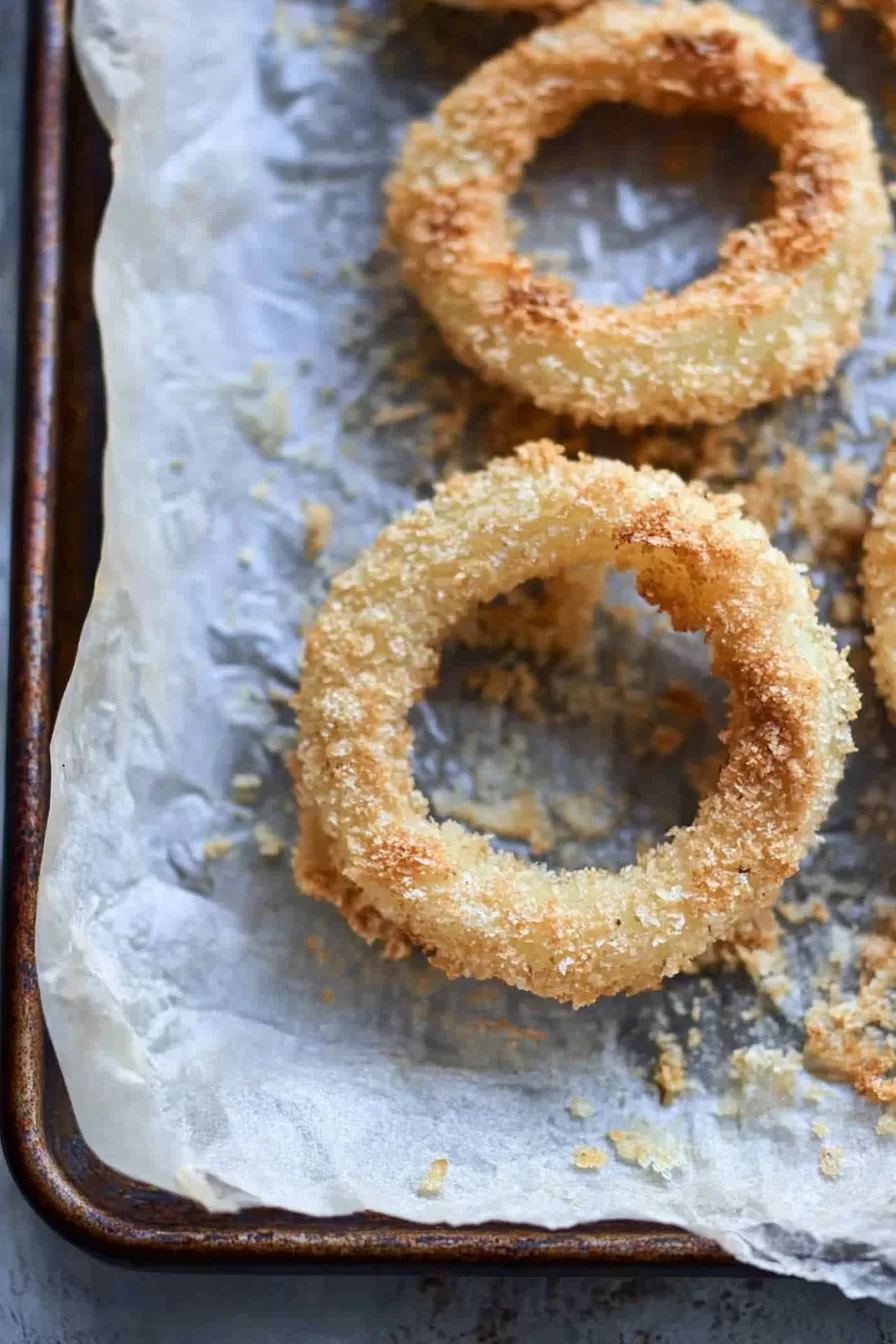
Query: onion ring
{"points": [[777, 313], [368, 843], [879, 581]]}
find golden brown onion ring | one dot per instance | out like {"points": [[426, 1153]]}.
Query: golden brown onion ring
{"points": [[879, 581], [776, 314], [368, 842]]}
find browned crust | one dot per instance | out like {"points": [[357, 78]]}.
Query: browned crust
{"points": [[786, 298], [879, 581], [368, 842]]}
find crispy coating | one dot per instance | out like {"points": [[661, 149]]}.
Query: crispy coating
{"points": [[879, 581], [777, 313], [368, 842]]}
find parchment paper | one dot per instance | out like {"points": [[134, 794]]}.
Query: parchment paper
{"points": [[222, 1035]]}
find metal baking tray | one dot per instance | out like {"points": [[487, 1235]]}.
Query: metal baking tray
{"points": [[57, 529]]}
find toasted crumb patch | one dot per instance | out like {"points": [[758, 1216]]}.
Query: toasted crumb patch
{"points": [[521, 818], [830, 1161], [589, 1159], [646, 1148], [852, 1039], [433, 1182], [270, 844], [579, 1108], [669, 1072], [318, 527], [762, 1080], [825, 508]]}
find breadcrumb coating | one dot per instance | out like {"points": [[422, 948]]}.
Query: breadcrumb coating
{"points": [[879, 581], [368, 842], [786, 299]]}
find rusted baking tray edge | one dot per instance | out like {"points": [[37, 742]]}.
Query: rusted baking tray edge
{"points": [[60, 403]]}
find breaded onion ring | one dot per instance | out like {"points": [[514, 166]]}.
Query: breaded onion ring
{"points": [[368, 842], [879, 581], [777, 313]]}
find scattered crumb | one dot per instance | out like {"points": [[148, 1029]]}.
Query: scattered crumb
{"points": [[846, 609], [216, 847], [819, 1129], [761, 1081], [669, 1070], [695, 1037], [433, 1182], [396, 415], [665, 740], [318, 527], [523, 817], [270, 844], [824, 507], [260, 491], [830, 1161], [508, 1028], [245, 557], [317, 947], [755, 945], [886, 1125], [589, 816], [261, 407], [644, 1147], [327, 996], [579, 1108], [680, 699], [589, 1159], [514, 685], [245, 788], [796, 913]]}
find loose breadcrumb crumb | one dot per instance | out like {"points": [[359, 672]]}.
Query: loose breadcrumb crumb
{"points": [[217, 847], [318, 527], [433, 1182], [886, 1125], [830, 1161], [589, 1159], [665, 740], [819, 1129], [245, 788], [645, 1148], [245, 557], [761, 1081], [669, 1070], [270, 844], [523, 817], [327, 996], [579, 1108]]}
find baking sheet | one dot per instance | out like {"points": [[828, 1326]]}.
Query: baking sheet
{"points": [[222, 1036]]}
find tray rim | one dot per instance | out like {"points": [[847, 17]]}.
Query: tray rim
{"points": [[289, 1241]]}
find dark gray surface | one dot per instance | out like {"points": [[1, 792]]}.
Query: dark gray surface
{"points": [[51, 1292]]}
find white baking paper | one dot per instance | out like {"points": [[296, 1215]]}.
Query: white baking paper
{"points": [[221, 1035]]}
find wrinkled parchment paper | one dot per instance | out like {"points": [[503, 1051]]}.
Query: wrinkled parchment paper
{"points": [[221, 1035]]}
